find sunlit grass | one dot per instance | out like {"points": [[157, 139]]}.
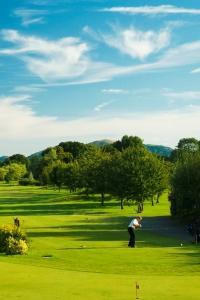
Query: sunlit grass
{"points": [[78, 250]]}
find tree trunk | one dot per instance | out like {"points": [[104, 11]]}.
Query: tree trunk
{"points": [[140, 207], [121, 203], [158, 197], [152, 201], [102, 199], [87, 194]]}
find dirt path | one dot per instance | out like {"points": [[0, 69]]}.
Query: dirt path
{"points": [[166, 226]]}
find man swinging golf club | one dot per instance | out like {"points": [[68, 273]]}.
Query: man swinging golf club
{"points": [[135, 223]]}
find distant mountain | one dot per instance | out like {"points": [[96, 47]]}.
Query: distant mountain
{"points": [[2, 158], [159, 149], [36, 154]]}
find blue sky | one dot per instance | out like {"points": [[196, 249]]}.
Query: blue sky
{"points": [[87, 70]]}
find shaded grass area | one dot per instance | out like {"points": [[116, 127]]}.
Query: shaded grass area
{"points": [[79, 248]]}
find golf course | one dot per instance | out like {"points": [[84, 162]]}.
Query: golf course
{"points": [[78, 249]]}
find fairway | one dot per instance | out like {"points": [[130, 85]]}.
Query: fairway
{"points": [[78, 250]]}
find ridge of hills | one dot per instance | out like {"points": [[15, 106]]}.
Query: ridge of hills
{"points": [[157, 149]]}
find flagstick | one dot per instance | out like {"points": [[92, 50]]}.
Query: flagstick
{"points": [[136, 290]]}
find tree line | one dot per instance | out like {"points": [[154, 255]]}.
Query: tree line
{"points": [[125, 170]]}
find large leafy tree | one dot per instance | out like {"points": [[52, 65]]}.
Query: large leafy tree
{"points": [[47, 165], [94, 171], [70, 174], [75, 148], [18, 159], [128, 141], [14, 172], [137, 175], [184, 147], [185, 195]]}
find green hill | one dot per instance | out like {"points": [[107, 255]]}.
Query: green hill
{"points": [[159, 149]]}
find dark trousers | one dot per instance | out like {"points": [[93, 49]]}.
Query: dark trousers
{"points": [[132, 237]]}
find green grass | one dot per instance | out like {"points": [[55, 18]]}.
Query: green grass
{"points": [[78, 251]]}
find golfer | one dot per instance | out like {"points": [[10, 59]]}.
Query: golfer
{"points": [[135, 223]]}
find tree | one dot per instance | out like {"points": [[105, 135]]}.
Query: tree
{"points": [[185, 194], [46, 166], [118, 184], [135, 176], [18, 159], [188, 144], [63, 156], [71, 175], [75, 148], [15, 172], [128, 141], [3, 172], [185, 146], [36, 164], [94, 171]]}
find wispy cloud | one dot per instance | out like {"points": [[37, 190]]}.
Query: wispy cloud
{"points": [[152, 10], [50, 60], [27, 89], [68, 60], [114, 91], [137, 43], [30, 16], [46, 2], [182, 95], [102, 105], [14, 99], [195, 71]]}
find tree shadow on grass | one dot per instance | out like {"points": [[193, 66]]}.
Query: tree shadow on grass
{"points": [[79, 207], [106, 229], [31, 199], [191, 259]]}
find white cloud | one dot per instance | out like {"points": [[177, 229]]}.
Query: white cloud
{"points": [[67, 61], [22, 128], [30, 16], [152, 10], [114, 91], [137, 43], [180, 56], [57, 62], [50, 60]]}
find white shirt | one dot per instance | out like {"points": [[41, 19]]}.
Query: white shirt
{"points": [[134, 223]]}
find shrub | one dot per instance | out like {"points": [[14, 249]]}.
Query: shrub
{"points": [[12, 237], [27, 181], [16, 246]]}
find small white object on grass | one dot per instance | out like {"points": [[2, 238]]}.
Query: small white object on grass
{"points": [[181, 244]]}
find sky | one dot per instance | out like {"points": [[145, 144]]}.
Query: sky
{"points": [[88, 70]]}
